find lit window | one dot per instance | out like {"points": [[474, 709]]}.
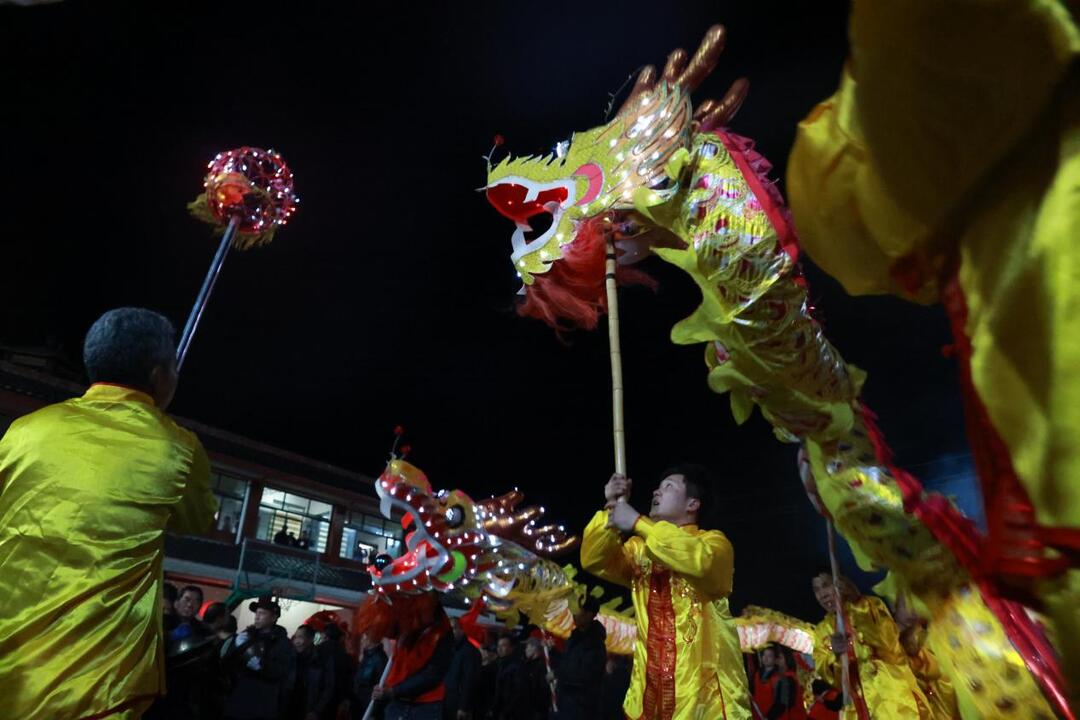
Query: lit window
{"points": [[366, 536], [286, 518]]}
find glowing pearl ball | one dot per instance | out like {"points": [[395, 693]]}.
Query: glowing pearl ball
{"points": [[253, 185]]}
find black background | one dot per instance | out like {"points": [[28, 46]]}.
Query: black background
{"points": [[389, 298]]}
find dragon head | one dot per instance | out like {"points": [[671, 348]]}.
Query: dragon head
{"points": [[454, 543], [441, 530], [591, 173], [614, 167]]}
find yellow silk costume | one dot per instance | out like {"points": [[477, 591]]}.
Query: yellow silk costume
{"points": [[687, 661], [954, 142], [937, 688], [888, 684], [87, 487]]}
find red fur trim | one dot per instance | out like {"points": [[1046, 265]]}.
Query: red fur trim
{"points": [[324, 618], [404, 616], [414, 652], [572, 295]]}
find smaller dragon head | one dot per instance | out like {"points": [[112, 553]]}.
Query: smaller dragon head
{"points": [[455, 543]]}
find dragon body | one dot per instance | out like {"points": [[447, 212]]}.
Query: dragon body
{"points": [[664, 180]]}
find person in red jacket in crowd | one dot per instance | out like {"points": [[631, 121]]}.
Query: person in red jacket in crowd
{"points": [[772, 691], [785, 665], [414, 686], [827, 701]]}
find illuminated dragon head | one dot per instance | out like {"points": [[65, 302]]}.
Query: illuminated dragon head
{"points": [[453, 543], [615, 167]]}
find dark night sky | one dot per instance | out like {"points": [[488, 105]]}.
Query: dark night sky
{"points": [[389, 297]]}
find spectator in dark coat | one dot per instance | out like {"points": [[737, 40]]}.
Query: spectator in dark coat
{"points": [[169, 596], [344, 666], [507, 676], [535, 692], [485, 697], [261, 660], [313, 689], [614, 687], [368, 674], [580, 667], [190, 664], [462, 678]]}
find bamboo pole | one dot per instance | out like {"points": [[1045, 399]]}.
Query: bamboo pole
{"points": [[618, 429]]}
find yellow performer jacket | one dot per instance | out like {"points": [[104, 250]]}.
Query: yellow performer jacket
{"points": [[687, 662], [87, 487], [888, 685], [936, 687]]}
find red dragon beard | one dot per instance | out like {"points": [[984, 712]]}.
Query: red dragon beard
{"points": [[571, 295]]}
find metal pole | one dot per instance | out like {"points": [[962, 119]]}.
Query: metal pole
{"points": [[845, 668], [204, 293], [551, 684]]}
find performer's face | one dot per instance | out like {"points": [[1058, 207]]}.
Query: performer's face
{"points": [[768, 658], [823, 591], [669, 502]]}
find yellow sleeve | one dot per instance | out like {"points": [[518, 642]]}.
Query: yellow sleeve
{"points": [[602, 552], [877, 629], [706, 559], [925, 666], [825, 661], [882, 169], [194, 513]]}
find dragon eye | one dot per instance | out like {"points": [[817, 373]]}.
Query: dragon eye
{"points": [[455, 516]]}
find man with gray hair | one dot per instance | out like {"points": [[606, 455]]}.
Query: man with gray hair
{"points": [[87, 489]]}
